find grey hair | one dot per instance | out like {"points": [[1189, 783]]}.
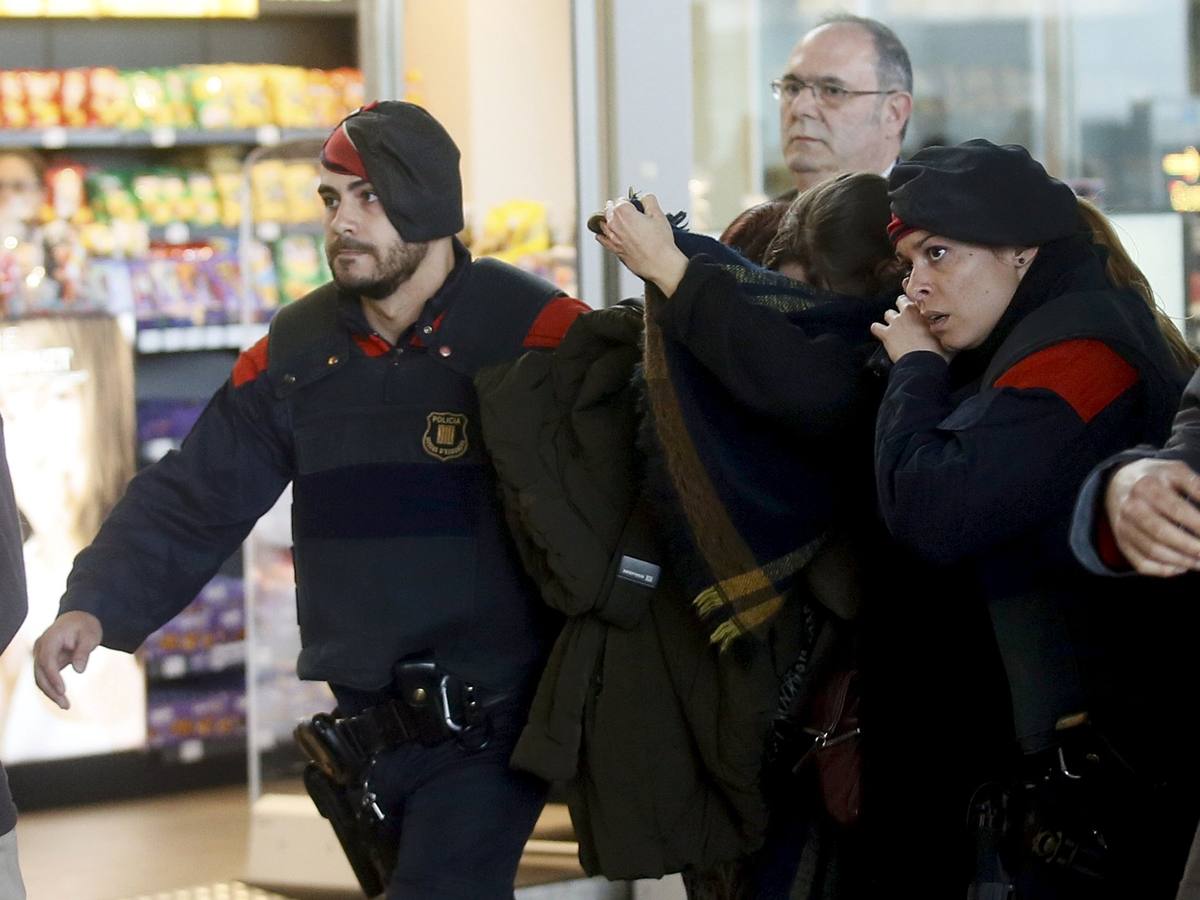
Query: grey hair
{"points": [[893, 68], [892, 65]]}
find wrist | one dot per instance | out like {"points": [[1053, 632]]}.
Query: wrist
{"points": [[668, 276], [921, 356]]}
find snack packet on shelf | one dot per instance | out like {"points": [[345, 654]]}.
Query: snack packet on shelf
{"points": [[181, 294], [107, 285], [150, 107], [73, 98], [110, 196], [42, 92], [248, 93], [514, 230], [268, 190], [287, 88], [65, 263], [223, 277], [13, 111], [348, 83], [110, 103], [176, 196], [229, 192], [151, 197], [264, 285], [300, 180], [212, 98], [298, 264], [176, 98], [324, 98], [205, 201]]}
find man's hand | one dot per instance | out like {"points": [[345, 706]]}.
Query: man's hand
{"points": [[1151, 506], [644, 242], [904, 330], [71, 639]]}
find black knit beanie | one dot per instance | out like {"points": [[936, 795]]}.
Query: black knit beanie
{"points": [[411, 161], [981, 193]]}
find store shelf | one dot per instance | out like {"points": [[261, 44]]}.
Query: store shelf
{"points": [[218, 658], [165, 137], [307, 7], [199, 337], [183, 233], [193, 750]]}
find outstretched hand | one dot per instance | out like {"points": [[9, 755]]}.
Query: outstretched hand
{"points": [[70, 640], [644, 242]]}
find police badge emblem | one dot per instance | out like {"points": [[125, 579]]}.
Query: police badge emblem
{"points": [[445, 435]]}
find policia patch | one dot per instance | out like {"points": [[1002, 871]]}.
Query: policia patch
{"points": [[445, 435]]}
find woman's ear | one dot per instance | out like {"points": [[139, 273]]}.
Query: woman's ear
{"points": [[1022, 258]]}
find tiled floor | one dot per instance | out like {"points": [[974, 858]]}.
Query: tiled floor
{"points": [[183, 847]]}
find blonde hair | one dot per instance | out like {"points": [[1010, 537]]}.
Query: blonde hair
{"points": [[1123, 272]]}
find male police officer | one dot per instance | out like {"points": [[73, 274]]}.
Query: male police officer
{"points": [[412, 603]]}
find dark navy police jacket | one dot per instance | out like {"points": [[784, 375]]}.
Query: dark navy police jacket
{"points": [[400, 545]]}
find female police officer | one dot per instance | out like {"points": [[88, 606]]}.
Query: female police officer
{"points": [[1026, 349]]}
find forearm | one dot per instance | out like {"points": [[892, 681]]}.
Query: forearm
{"points": [[813, 384], [178, 521]]}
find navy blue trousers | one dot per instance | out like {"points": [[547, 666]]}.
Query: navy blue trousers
{"points": [[463, 817]]}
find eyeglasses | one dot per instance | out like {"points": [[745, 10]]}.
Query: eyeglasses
{"points": [[19, 187], [825, 93]]}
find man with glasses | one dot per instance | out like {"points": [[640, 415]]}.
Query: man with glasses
{"points": [[844, 100]]}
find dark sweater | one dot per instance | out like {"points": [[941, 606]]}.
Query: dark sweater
{"points": [[13, 600]]}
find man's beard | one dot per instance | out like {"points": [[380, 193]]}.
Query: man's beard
{"points": [[395, 268]]}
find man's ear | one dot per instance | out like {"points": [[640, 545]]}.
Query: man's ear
{"points": [[897, 108]]}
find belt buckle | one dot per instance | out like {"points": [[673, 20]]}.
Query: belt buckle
{"points": [[443, 705]]}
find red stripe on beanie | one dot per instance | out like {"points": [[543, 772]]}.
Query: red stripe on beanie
{"points": [[340, 155], [897, 229]]}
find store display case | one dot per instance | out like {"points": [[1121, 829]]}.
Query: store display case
{"points": [[66, 395], [145, 126]]}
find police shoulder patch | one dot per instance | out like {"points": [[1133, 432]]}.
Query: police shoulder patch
{"points": [[445, 435]]}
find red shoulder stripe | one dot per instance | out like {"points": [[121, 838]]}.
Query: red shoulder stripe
{"points": [[553, 321], [251, 363], [1088, 374]]}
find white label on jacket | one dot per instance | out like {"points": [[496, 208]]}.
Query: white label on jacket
{"points": [[639, 571]]}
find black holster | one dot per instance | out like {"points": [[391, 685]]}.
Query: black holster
{"points": [[370, 843], [428, 706]]}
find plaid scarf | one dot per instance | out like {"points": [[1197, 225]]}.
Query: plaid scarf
{"points": [[744, 509]]}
